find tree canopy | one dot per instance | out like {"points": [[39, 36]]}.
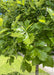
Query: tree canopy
{"points": [[27, 26]]}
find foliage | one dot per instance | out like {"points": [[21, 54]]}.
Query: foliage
{"points": [[27, 26], [14, 69]]}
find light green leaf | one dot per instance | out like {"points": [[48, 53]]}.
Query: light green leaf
{"points": [[19, 2], [1, 21], [51, 13], [18, 17], [39, 3], [27, 40], [19, 35], [2, 31], [23, 2], [32, 4], [31, 37], [52, 39], [29, 26], [19, 40], [41, 19]]}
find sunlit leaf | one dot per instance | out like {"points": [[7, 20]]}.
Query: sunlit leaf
{"points": [[1, 21], [51, 13], [27, 40], [2, 31], [19, 35], [23, 2]]}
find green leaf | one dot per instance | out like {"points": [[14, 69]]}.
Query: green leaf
{"points": [[29, 47], [19, 2], [35, 61], [19, 35], [27, 57], [26, 66], [41, 19], [42, 55], [18, 17], [10, 60], [51, 13], [14, 23], [1, 43], [39, 3], [33, 53], [1, 21], [27, 40], [32, 4], [52, 39], [23, 2], [40, 43], [27, 23], [31, 37], [49, 62], [47, 49], [2, 31], [23, 66], [29, 26], [19, 40], [36, 26]]}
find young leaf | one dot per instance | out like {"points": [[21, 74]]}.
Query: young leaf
{"points": [[41, 19], [39, 3], [23, 2], [1, 21], [19, 2]]}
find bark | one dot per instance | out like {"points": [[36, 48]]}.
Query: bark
{"points": [[37, 70]]}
